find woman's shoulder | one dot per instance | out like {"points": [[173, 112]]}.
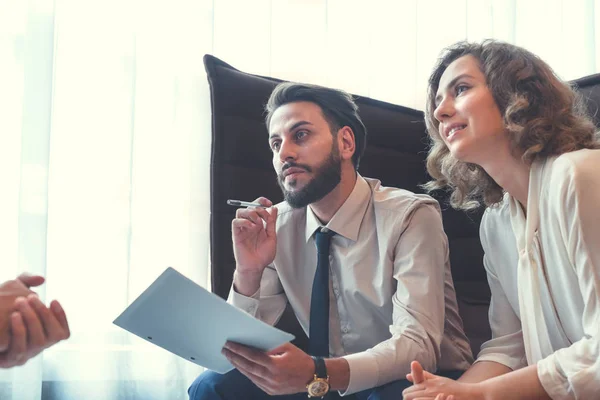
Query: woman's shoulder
{"points": [[495, 220], [579, 161], [574, 170]]}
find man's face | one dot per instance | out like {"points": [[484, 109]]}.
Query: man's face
{"points": [[305, 153]]}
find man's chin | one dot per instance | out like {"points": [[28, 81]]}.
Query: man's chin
{"points": [[293, 185]]}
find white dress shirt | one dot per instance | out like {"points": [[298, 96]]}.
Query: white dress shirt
{"points": [[392, 298], [544, 274]]}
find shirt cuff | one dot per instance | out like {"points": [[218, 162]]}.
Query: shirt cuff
{"points": [[364, 372], [244, 303], [549, 376]]}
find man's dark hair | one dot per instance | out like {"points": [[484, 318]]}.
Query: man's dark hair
{"points": [[338, 107]]}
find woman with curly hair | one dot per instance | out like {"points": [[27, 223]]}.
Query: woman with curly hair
{"points": [[507, 134]]}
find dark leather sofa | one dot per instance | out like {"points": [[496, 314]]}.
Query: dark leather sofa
{"points": [[395, 153]]}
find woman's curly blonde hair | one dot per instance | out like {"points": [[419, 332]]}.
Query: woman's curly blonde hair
{"points": [[543, 116]]}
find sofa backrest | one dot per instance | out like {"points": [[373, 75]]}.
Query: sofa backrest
{"points": [[396, 149], [589, 87]]}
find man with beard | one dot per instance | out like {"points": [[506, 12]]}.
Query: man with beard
{"points": [[364, 267]]}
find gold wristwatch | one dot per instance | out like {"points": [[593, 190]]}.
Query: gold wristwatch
{"points": [[319, 386]]}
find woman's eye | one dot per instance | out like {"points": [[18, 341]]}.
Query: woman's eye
{"points": [[460, 89]]}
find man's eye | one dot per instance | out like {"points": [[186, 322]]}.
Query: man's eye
{"points": [[275, 146], [301, 134]]}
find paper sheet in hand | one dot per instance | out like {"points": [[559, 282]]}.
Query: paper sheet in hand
{"points": [[189, 321]]}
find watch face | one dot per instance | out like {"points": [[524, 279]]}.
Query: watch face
{"points": [[318, 388]]}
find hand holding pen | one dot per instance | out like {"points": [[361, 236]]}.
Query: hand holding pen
{"points": [[254, 242]]}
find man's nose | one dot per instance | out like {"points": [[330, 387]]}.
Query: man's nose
{"points": [[287, 151]]}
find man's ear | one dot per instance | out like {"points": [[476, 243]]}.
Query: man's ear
{"points": [[346, 142]]}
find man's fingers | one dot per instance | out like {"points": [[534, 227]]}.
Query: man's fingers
{"points": [[409, 378], [255, 356], [263, 201], [31, 280], [61, 316], [262, 213], [280, 350], [52, 328], [257, 216], [18, 344], [242, 363], [36, 335], [241, 223], [417, 372], [272, 222]]}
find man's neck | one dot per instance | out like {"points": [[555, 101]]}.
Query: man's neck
{"points": [[326, 208]]}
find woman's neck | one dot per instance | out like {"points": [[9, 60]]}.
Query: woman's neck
{"points": [[512, 174]]}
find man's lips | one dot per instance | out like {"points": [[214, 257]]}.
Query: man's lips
{"points": [[292, 171]]}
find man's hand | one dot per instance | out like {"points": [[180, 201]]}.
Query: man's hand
{"points": [[254, 244], [284, 370], [9, 292], [428, 386], [33, 328]]}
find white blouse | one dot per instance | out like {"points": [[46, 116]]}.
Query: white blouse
{"points": [[544, 273]]}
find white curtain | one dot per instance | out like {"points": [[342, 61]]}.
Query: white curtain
{"points": [[105, 140]]}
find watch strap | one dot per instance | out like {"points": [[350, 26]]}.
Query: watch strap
{"points": [[320, 367]]}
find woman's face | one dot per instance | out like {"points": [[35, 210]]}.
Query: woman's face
{"points": [[470, 122]]}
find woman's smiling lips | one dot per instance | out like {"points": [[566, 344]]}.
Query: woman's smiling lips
{"points": [[452, 129]]}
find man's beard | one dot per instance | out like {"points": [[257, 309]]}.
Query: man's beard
{"points": [[327, 176]]}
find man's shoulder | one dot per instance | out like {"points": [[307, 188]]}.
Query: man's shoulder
{"points": [[393, 199]]}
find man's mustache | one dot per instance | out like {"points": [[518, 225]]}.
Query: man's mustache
{"points": [[295, 165]]}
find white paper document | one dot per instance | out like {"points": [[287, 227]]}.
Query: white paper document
{"points": [[180, 316]]}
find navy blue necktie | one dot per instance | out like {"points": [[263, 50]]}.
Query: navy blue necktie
{"points": [[319, 303]]}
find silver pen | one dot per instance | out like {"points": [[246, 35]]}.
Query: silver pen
{"points": [[240, 203]]}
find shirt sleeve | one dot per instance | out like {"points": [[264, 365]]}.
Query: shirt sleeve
{"points": [[268, 303], [574, 372], [420, 259], [506, 346]]}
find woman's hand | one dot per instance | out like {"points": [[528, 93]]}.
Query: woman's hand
{"points": [[428, 386]]}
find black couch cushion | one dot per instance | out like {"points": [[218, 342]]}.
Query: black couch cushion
{"points": [[589, 87], [396, 149]]}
